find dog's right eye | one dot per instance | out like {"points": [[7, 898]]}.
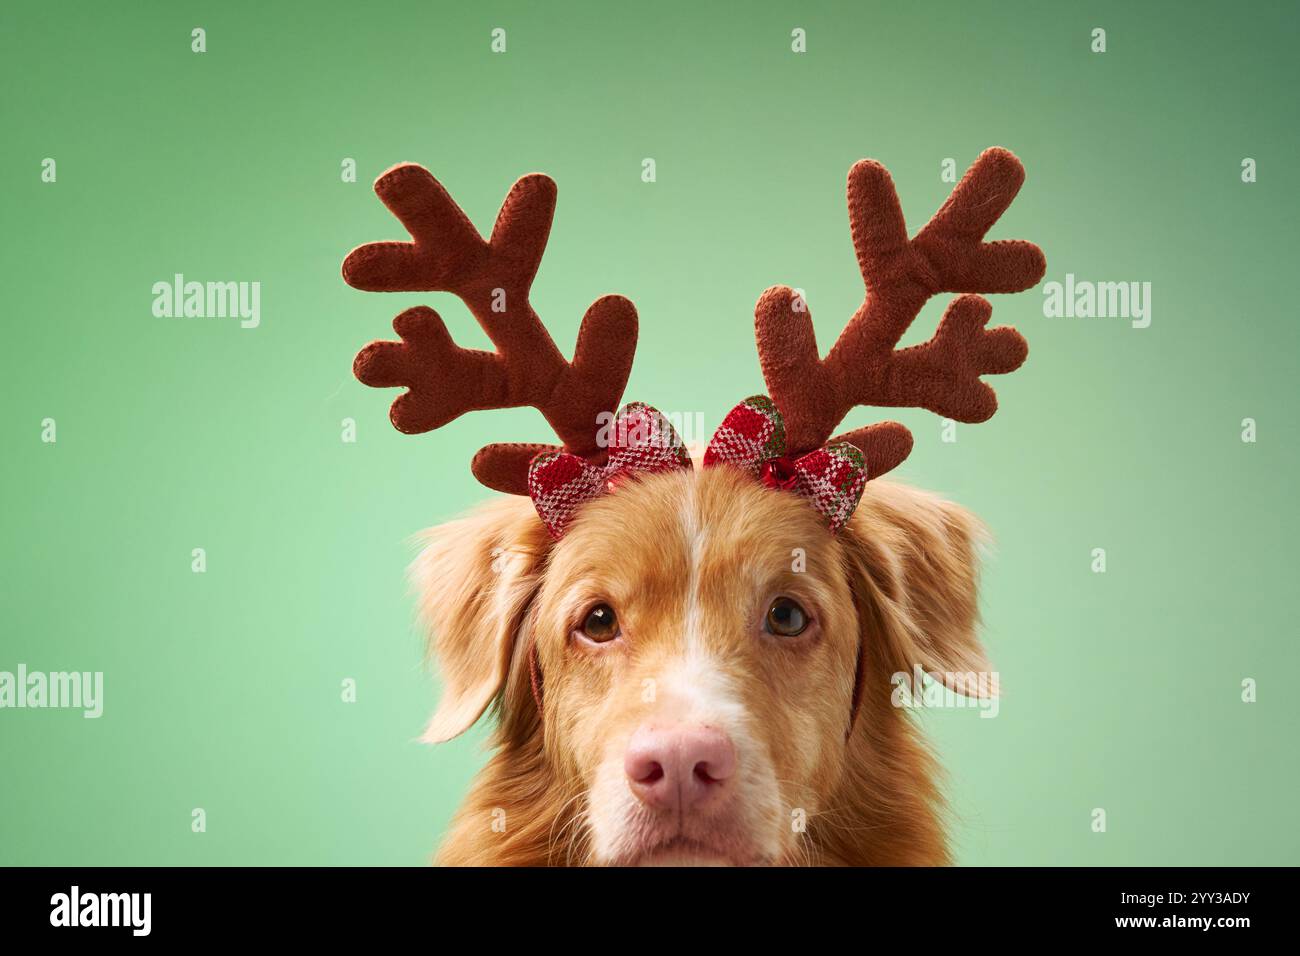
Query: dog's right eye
{"points": [[785, 618], [600, 624]]}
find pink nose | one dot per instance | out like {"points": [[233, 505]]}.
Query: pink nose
{"points": [[679, 768]]}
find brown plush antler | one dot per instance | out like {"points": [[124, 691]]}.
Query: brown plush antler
{"points": [[943, 374], [493, 279]]}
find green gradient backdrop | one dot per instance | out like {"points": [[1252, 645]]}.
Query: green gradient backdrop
{"points": [[222, 689]]}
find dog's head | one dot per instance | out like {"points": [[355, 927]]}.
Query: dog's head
{"points": [[697, 644]]}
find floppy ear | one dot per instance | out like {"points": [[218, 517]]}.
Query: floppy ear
{"points": [[914, 565], [476, 578]]}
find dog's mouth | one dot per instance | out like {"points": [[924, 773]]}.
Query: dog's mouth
{"points": [[682, 850]]}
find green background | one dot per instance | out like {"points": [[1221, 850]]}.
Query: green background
{"points": [[1122, 690]]}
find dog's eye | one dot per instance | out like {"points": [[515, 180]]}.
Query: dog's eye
{"points": [[601, 624], [785, 618]]}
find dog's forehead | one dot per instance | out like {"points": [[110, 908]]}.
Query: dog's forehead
{"points": [[712, 529]]}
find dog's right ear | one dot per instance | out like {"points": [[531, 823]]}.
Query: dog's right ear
{"points": [[476, 578], [915, 563]]}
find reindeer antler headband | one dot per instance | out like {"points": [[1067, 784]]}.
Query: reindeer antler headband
{"points": [[783, 440]]}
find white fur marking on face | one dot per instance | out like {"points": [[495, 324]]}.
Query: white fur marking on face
{"points": [[694, 532]]}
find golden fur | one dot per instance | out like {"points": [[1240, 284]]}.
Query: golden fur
{"points": [[690, 561]]}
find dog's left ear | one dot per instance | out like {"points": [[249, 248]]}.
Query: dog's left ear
{"points": [[476, 579], [914, 564]]}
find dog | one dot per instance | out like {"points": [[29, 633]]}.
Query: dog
{"points": [[695, 734], [695, 662]]}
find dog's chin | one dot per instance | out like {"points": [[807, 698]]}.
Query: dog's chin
{"points": [[682, 851]]}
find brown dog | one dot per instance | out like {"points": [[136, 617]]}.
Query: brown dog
{"points": [[747, 726], [699, 665]]}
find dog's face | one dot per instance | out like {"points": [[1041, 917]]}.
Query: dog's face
{"points": [[700, 640]]}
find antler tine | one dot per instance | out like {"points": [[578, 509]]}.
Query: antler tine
{"points": [[863, 368], [493, 278]]}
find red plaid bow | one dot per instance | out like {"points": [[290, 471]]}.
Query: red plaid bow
{"points": [[641, 440], [751, 437]]}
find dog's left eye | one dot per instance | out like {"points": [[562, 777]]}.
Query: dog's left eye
{"points": [[600, 624], [785, 618]]}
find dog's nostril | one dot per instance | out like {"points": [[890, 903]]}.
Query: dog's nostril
{"points": [[703, 773], [654, 774]]}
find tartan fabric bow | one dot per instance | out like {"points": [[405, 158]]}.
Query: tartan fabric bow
{"points": [[751, 437], [641, 440]]}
